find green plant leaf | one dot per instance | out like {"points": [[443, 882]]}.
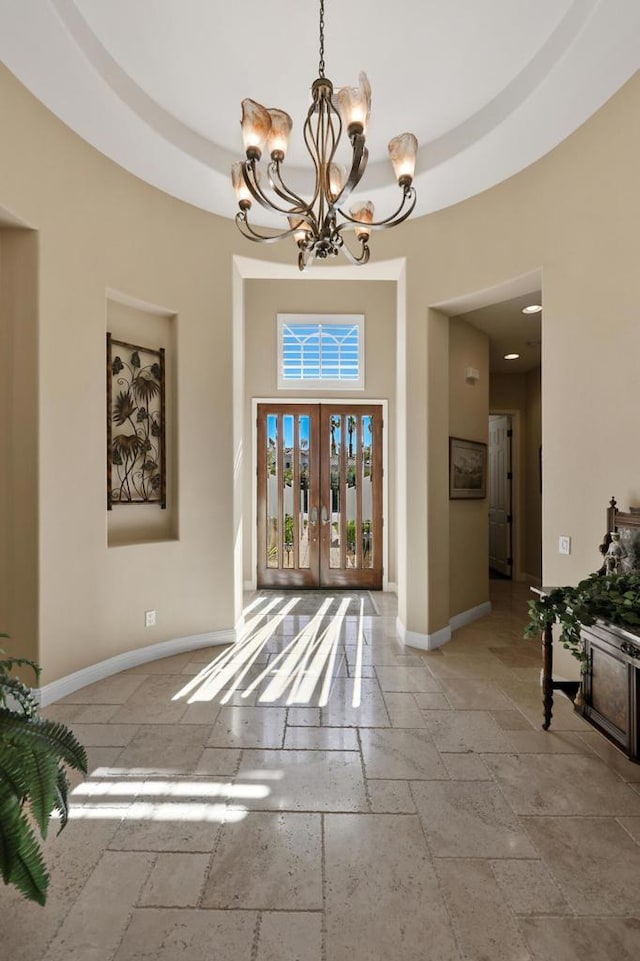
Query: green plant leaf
{"points": [[22, 694], [44, 734], [62, 797], [21, 860], [41, 773]]}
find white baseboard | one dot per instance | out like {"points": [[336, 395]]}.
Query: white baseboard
{"points": [[468, 617], [121, 662], [430, 642], [250, 585], [390, 586], [424, 642]]}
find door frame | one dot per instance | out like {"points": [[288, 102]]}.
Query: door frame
{"points": [[516, 490], [352, 401]]}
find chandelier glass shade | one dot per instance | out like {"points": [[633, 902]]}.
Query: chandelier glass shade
{"points": [[318, 224]]}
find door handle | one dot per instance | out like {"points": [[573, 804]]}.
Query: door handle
{"points": [[324, 516], [313, 520]]}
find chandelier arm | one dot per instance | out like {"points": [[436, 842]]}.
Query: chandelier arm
{"points": [[364, 254], [409, 196], [312, 147], [251, 181], [285, 193], [358, 167], [250, 233]]}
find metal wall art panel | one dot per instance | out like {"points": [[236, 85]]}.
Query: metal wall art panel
{"points": [[136, 449]]}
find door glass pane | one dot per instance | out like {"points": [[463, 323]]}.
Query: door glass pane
{"points": [[272, 490], [303, 494], [351, 488], [335, 429], [367, 514], [288, 560]]}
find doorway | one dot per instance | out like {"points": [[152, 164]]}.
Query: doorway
{"points": [[500, 494], [319, 496]]}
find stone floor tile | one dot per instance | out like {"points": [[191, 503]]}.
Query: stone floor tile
{"points": [[562, 784], [96, 922], [146, 832], [305, 780], [632, 826], [466, 767], [548, 742], [347, 709], [582, 939], [163, 665], [104, 735], [100, 760], [176, 881], [250, 727], [390, 797], [382, 897], [432, 702], [407, 679], [164, 749], [486, 928], [403, 754], [528, 888], [321, 738], [511, 721], [161, 934], [201, 712], [455, 731], [403, 710], [612, 756], [469, 819], [465, 694], [267, 861], [219, 761], [303, 717], [152, 702], [287, 936], [94, 713], [593, 860], [71, 858], [112, 690]]}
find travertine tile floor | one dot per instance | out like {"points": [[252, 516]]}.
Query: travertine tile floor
{"points": [[320, 793]]}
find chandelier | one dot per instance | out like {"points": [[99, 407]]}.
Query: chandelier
{"points": [[317, 225]]}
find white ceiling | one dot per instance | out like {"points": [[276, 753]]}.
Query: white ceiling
{"points": [[511, 332], [488, 86]]}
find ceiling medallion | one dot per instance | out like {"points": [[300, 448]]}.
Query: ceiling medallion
{"points": [[317, 225]]}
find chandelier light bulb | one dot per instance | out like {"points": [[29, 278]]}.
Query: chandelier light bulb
{"points": [[243, 195], [402, 151], [256, 124], [354, 104], [337, 178], [363, 214], [278, 137]]}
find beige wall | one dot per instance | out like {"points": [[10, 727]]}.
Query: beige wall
{"points": [[468, 419], [574, 214], [264, 299], [521, 394]]}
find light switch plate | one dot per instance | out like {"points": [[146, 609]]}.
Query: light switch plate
{"points": [[564, 544]]}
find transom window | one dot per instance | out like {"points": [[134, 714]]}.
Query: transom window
{"points": [[320, 351]]}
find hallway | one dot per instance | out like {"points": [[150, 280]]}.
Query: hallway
{"points": [[317, 792]]}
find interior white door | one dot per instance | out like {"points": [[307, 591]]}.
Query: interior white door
{"points": [[500, 493]]}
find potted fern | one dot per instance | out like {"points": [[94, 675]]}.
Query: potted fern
{"points": [[34, 755]]}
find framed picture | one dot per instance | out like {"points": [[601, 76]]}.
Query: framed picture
{"points": [[136, 454], [467, 469]]}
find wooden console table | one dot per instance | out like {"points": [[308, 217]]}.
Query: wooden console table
{"points": [[611, 686], [570, 688]]}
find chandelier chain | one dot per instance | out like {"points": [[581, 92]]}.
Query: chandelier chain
{"points": [[321, 65]]}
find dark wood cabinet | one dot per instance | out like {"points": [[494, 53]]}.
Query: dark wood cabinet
{"points": [[611, 685]]}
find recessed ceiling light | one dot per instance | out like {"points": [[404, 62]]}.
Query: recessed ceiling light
{"points": [[511, 356], [532, 309]]}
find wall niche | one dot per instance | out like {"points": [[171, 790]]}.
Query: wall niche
{"points": [[132, 324]]}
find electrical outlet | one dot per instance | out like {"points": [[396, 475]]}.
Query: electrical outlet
{"points": [[149, 618], [564, 544]]}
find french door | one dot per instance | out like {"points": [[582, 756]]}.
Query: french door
{"points": [[320, 496]]}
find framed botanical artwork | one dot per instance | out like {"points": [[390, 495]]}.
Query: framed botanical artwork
{"points": [[467, 469], [136, 451]]}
